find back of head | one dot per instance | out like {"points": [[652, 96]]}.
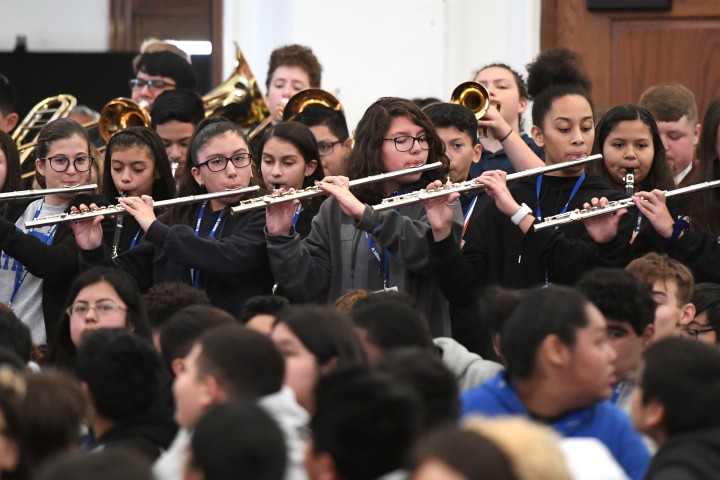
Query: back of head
{"points": [[163, 300], [447, 115], [12, 163], [14, 335], [555, 73], [295, 56], [684, 377], [245, 363], [7, 96], [365, 421], [328, 335], [425, 372], [619, 296], [262, 305], [112, 464], [178, 334], [655, 267], [236, 441], [668, 103], [122, 373], [542, 312], [315, 115], [165, 63], [184, 106]]}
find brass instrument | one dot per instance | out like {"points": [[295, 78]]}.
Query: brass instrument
{"points": [[238, 98], [312, 96], [47, 191], [40, 115], [475, 97], [118, 114], [422, 195], [269, 200], [613, 206], [118, 209]]}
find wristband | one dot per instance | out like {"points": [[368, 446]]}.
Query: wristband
{"points": [[520, 214], [506, 136], [679, 226]]}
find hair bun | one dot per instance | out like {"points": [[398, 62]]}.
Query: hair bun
{"points": [[554, 67]]}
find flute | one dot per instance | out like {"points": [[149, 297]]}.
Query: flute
{"points": [[614, 206], [117, 209], [422, 195], [47, 191], [268, 200]]}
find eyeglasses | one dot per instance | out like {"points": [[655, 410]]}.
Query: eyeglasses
{"points": [[694, 332], [218, 164], [326, 148], [405, 143], [152, 84], [102, 310], [61, 163]]}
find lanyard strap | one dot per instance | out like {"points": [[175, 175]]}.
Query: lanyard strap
{"points": [[195, 276], [383, 262], [135, 239], [468, 214], [297, 214], [575, 189]]}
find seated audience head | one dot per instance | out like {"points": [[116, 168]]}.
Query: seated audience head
{"points": [[259, 312], [13, 392], [494, 306], [181, 330], [114, 464], [9, 164], [557, 337], [425, 372], [14, 335], [226, 363], [331, 133], [101, 297], [679, 389], [158, 71], [346, 302], [705, 326], [56, 409], [291, 69], [457, 128], [314, 340], [364, 425], [628, 308], [163, 300], [8, 117], [672, 285], [675, 111], [237, 441], [175, 114], [508, 91]]}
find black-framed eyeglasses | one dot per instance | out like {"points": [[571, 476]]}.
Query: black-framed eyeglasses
{"points": [[218, 164], [694, 332], [153, 84], [404, 143], [326, 148], [60, 163]]}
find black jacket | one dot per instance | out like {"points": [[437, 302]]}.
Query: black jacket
{"points": [[688, 456]]}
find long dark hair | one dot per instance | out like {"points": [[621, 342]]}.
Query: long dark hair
{"points": [[705, 204], [12, 158], [365, 158], [63, 352], [659, 175], [163, 187]]}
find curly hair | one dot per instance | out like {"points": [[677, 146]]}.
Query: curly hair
{"points": [[295, 56]]}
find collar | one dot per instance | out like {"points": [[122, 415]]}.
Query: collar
{"points": [[680, 176]]}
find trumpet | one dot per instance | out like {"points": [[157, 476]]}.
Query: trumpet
{"points": [[47, 191], [422, 195], [475, 97], [269, 200], [118, 209], [614, 206]]}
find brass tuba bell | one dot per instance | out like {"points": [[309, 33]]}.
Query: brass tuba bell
{"points": [[312, 96], [475, 97], [119, 114]]}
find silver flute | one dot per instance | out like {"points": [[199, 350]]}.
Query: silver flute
{"points": [[614, 206], [422, 195], [118, 209], [47, 191], [268, 200]]}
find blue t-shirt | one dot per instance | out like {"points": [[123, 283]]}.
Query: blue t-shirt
{"points": [[603, 421], [499, 160]]}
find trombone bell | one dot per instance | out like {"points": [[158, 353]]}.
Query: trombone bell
{"points": [[312, 96]]}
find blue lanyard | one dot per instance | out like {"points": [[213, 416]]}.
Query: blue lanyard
{"points": [[22, 272], [572, 194], [468, 214], [383, 262], [195, 277], [135, 239], [616, 393], [297, 214]]}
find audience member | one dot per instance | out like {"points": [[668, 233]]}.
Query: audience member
{"points": [[259, 312]]}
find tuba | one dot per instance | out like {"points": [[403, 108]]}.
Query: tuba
{"points": [[475, 97], [238, 98], [312, 96]]}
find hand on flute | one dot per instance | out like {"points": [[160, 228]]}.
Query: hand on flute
{"points": [[88, 232], [602, 228], [440, 212], [279, 217], [339, 187], [141, 208], [652, 205]]}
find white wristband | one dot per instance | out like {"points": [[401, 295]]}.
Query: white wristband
{"points": [[520, 214]]}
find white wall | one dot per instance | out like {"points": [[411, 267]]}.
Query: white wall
{"points": [[56, 25], [374, 48]]}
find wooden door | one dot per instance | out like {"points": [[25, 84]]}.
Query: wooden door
{"points": [[627, 51]]}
